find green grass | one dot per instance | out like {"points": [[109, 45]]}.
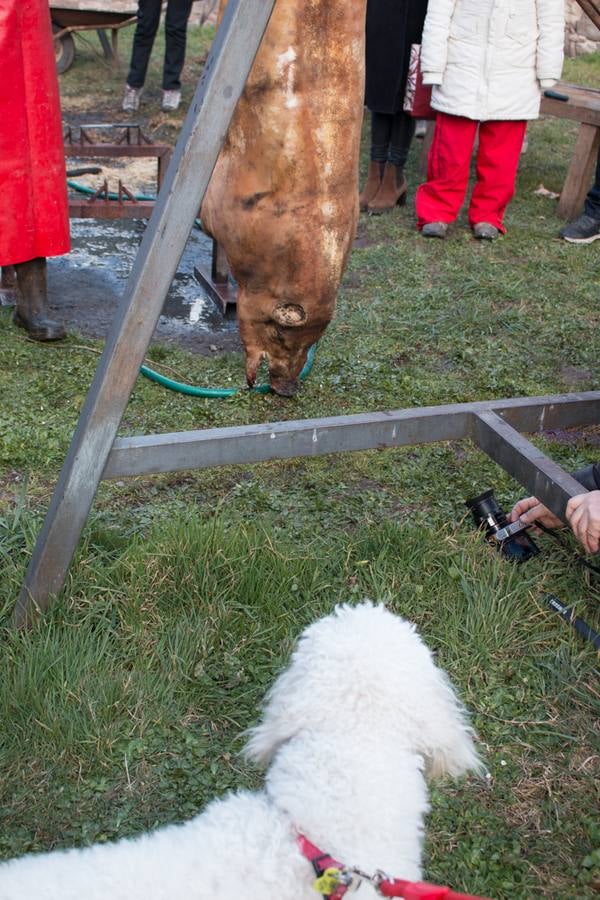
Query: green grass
{"points": [[124, 707]]}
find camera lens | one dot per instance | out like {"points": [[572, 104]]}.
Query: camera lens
{"points": [[488, 513], [485, 509]]}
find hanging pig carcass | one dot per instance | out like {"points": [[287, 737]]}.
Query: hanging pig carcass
{"points": [[283, 198]]}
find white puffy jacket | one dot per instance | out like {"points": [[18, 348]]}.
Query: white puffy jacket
{"points": [[490, 59]]}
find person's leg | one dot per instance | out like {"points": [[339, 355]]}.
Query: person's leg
{"points": [[381, 135], [31, 312], [592, 201], [586, 228], [143, 41], [178, 13], [380, 130], [393, 182], [8, 286], [448, 167], [498, 155], [403, 129]]}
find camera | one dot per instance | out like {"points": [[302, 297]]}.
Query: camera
{"points": [[510, 538]]}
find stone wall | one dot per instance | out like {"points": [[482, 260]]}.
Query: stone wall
{"points": [[582, 36]]}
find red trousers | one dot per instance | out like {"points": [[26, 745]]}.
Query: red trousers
{"points": [[449, 164], [34, 216]]}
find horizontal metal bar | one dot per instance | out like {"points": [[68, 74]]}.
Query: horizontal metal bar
{"points": [[281, 440], [547, 414], [542, 477], [110, 209], [110, 151], [145, 455]]}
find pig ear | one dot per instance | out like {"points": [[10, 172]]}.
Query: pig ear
{"points": [[290, 315]]}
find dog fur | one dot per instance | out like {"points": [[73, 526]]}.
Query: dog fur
{"points": [[349, 733]]}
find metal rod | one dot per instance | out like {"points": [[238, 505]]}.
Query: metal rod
{"points": [[316, 437], [282, 440], [542, 477], [223, 79]]}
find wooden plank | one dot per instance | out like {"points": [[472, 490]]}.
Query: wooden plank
{"points": [[592, 9], [583, 104], [581, 170]]}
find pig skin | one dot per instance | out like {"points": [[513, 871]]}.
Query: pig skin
{"points": [[283, 198]]}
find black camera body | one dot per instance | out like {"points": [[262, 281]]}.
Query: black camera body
{"points": [[510, 538]]}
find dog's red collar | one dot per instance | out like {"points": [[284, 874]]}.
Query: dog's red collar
{"points": [[321, 862], [387, 887]]}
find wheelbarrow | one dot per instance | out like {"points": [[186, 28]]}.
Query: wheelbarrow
{"points": [[71, 16]]}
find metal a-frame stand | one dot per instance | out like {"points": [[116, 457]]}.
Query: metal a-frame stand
{"points": [[95, 453], [219, 89]]}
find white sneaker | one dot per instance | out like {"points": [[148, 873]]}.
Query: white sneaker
{"points": [[171, 100], [131, 98]]}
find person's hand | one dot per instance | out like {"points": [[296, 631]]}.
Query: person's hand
{"points": [[531, 510], [583, 514]]}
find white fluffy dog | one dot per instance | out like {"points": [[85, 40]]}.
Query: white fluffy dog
{"points": [[350, 730]]}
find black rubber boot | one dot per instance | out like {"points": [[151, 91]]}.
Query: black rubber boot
{"points": [[8, 286], [32, 302]]}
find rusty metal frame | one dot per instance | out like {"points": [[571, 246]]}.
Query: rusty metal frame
{"points": [[216, 281], [127, 140], [95, 453]]}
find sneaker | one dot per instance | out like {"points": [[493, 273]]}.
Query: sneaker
{"points": [[583, 230], [131, 99], [483, 231], [171, 100], [435, 229], [421, 129]]}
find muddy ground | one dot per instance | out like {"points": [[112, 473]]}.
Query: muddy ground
{"points": [[86, 285], [85, 288]]}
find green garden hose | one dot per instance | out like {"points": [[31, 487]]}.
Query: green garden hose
{"points": [[192, 391], [84, 189], [178, 386]]}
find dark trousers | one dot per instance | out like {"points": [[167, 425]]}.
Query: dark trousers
{"points": [[592, 201], [178, 13], [391, 134]]}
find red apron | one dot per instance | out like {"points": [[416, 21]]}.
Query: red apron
{"points": [[34, 217]]}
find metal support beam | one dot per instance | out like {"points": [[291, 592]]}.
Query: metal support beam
{"points": [[245, 444], [488, 423], [542, 477], [223, 79]]}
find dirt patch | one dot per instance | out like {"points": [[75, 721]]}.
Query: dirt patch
{"points": [[576, 377], [138, 175], [590, 436]]}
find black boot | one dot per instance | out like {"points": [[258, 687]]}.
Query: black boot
{"points": [[8, 286], [32, 302]]}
